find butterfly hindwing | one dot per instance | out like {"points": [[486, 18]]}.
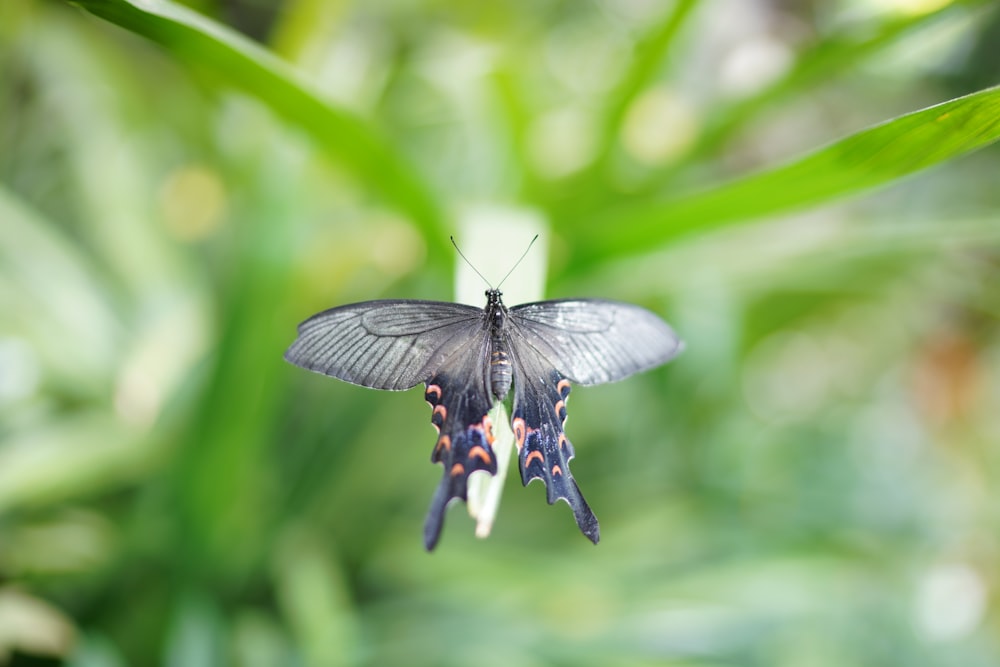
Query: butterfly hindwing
{"points": [[544, 451], [460, 402]]}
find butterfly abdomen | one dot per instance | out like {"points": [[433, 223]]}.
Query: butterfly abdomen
{"points": [[500, 369]]}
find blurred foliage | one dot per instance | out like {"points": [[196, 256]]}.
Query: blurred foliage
{"points": [[811, 484]]}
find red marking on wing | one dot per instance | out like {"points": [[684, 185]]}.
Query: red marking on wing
{"points": [[480, 452], [488, 429], [457, 469], [520, 431], [531, 456], [444, 442]]}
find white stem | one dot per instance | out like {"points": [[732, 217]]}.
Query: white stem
{"points": [[493, 237]]}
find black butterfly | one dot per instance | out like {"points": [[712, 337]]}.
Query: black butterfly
{"points": [[469, 357]]}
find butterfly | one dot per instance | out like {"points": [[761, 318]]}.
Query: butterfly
{"points": [[469, 358]]}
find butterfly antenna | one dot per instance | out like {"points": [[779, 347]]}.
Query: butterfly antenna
{"points": [[523, 255], [471, 266]]}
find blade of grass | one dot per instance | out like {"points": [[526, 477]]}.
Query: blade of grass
{"points": [[817, 66], [873, 157], [828, 58], [591, 184], [236, 61]]}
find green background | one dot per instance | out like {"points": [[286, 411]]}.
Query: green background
{"points": [[811, 484]]}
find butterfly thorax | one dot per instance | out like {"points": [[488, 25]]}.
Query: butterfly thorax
{"points": [[500, 368]]}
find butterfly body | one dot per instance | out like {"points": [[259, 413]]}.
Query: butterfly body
{"points": [[469, 358], [501, 372]]}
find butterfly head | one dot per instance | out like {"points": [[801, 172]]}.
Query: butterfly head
{"points": [[493, 297]]}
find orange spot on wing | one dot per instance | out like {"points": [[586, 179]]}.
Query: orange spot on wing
{"points": [[562, 441], [488, 429], [457, 469], [480, 452], [440, 410], [433, 389], [444, 442], [560, 406], [563, 384], [556, 470], [520, 431], [531, 456]]}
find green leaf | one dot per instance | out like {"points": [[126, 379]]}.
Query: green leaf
{"points": [[871, 158], [238, 62], [826, 60]]}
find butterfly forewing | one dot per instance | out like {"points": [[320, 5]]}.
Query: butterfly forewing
{"points": [[592, 341], [384, 344]]}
